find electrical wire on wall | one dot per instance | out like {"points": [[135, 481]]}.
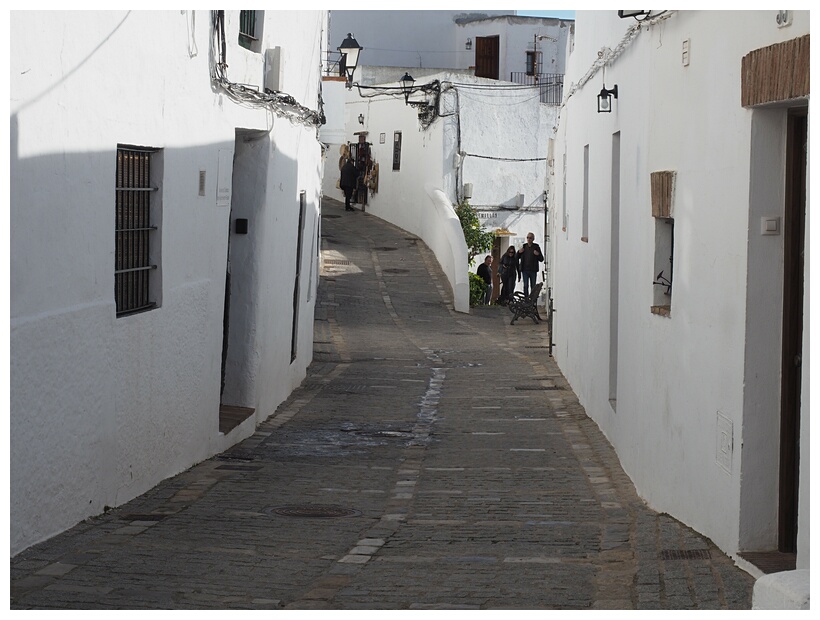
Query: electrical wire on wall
{"points": [[607, 56], [280, 103]]}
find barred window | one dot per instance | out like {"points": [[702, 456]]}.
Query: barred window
{"points": [[136, 196], [249, 34]]}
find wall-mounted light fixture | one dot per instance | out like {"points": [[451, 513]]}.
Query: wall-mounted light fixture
{"points": [[361, 119], [635, 14], [469, 45], [605, 98], [407, 82], [349, 50]]}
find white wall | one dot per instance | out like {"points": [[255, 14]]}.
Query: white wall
{"points": [[333, 134], [103, 408], [676, 376]]}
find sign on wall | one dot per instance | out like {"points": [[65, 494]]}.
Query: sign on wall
{"points": [[224, 175]]}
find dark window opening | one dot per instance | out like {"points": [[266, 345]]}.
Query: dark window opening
{"points": [[396, 150], [248, 35], [134, 230], [532, 67], [297, 279]]}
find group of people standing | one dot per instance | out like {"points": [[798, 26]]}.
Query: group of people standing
{"points": [[513, 266]]}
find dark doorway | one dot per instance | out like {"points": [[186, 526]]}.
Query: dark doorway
{"points": [[791, 375], [486, 57]]}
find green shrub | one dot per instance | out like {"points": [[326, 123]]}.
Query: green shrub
{"points": [[478, 240], [477, 288]]}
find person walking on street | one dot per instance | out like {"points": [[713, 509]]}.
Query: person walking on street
{"points": [[486, 273], [507, 271], [528, 258], [347, 183]]}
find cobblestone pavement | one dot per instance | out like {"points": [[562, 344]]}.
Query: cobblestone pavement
{"points": [[430, 460]]}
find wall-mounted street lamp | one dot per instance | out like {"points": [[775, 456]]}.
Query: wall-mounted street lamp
{"points": [[407, 82], [349, 50], [361, 119], [605, 98], [469, 45], [635, 14]]}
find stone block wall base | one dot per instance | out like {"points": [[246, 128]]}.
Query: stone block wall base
{"points": [[786, 590]]}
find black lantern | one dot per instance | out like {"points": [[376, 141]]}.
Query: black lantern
{"points": [[349, 50], [605, 98], [407, 82], [635, 14]]}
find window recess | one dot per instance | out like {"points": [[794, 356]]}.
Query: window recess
{"points": [[250, 27], [663, 191], [396, 150], [134, 231]]}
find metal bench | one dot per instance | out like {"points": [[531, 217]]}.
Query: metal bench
{"points": [[522, 306]]}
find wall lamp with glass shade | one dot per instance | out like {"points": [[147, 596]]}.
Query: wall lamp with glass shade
{"points": [[407, 82], [361, 119], [349, 49], [635, 14], [605, 98]]}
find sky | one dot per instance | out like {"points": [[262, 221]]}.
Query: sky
{"points": [[558, 14]]}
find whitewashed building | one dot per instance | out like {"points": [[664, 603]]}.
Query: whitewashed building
{"points": [[152, 154], [493, 44], [679, 228], [477, 139]]}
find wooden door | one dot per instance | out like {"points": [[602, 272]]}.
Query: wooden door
{"points": [[486, 57], [791, 375]]}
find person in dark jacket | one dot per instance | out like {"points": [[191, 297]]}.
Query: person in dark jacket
{"points": [[528, 258], [507, 271], [485, 271], [347, 183]]}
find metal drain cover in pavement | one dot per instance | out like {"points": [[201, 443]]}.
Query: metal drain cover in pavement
{"points": [[313, 511], [686, 554], [396, 270]]}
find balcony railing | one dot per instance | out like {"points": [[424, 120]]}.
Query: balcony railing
{"points": [[334, 65], [550, 85]]}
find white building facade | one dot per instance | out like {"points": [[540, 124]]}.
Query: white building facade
{"points": [[164, 245], [679, 228]]}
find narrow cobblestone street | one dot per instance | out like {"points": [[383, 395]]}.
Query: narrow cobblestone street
{"points": [[430, 460]]}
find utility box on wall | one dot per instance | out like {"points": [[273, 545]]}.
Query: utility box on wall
{"points": [[273, 68]]}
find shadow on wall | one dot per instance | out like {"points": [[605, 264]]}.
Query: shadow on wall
{"points": [[131, 401]]}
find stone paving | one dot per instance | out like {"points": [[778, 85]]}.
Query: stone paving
{"points": [[430, 460]]}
